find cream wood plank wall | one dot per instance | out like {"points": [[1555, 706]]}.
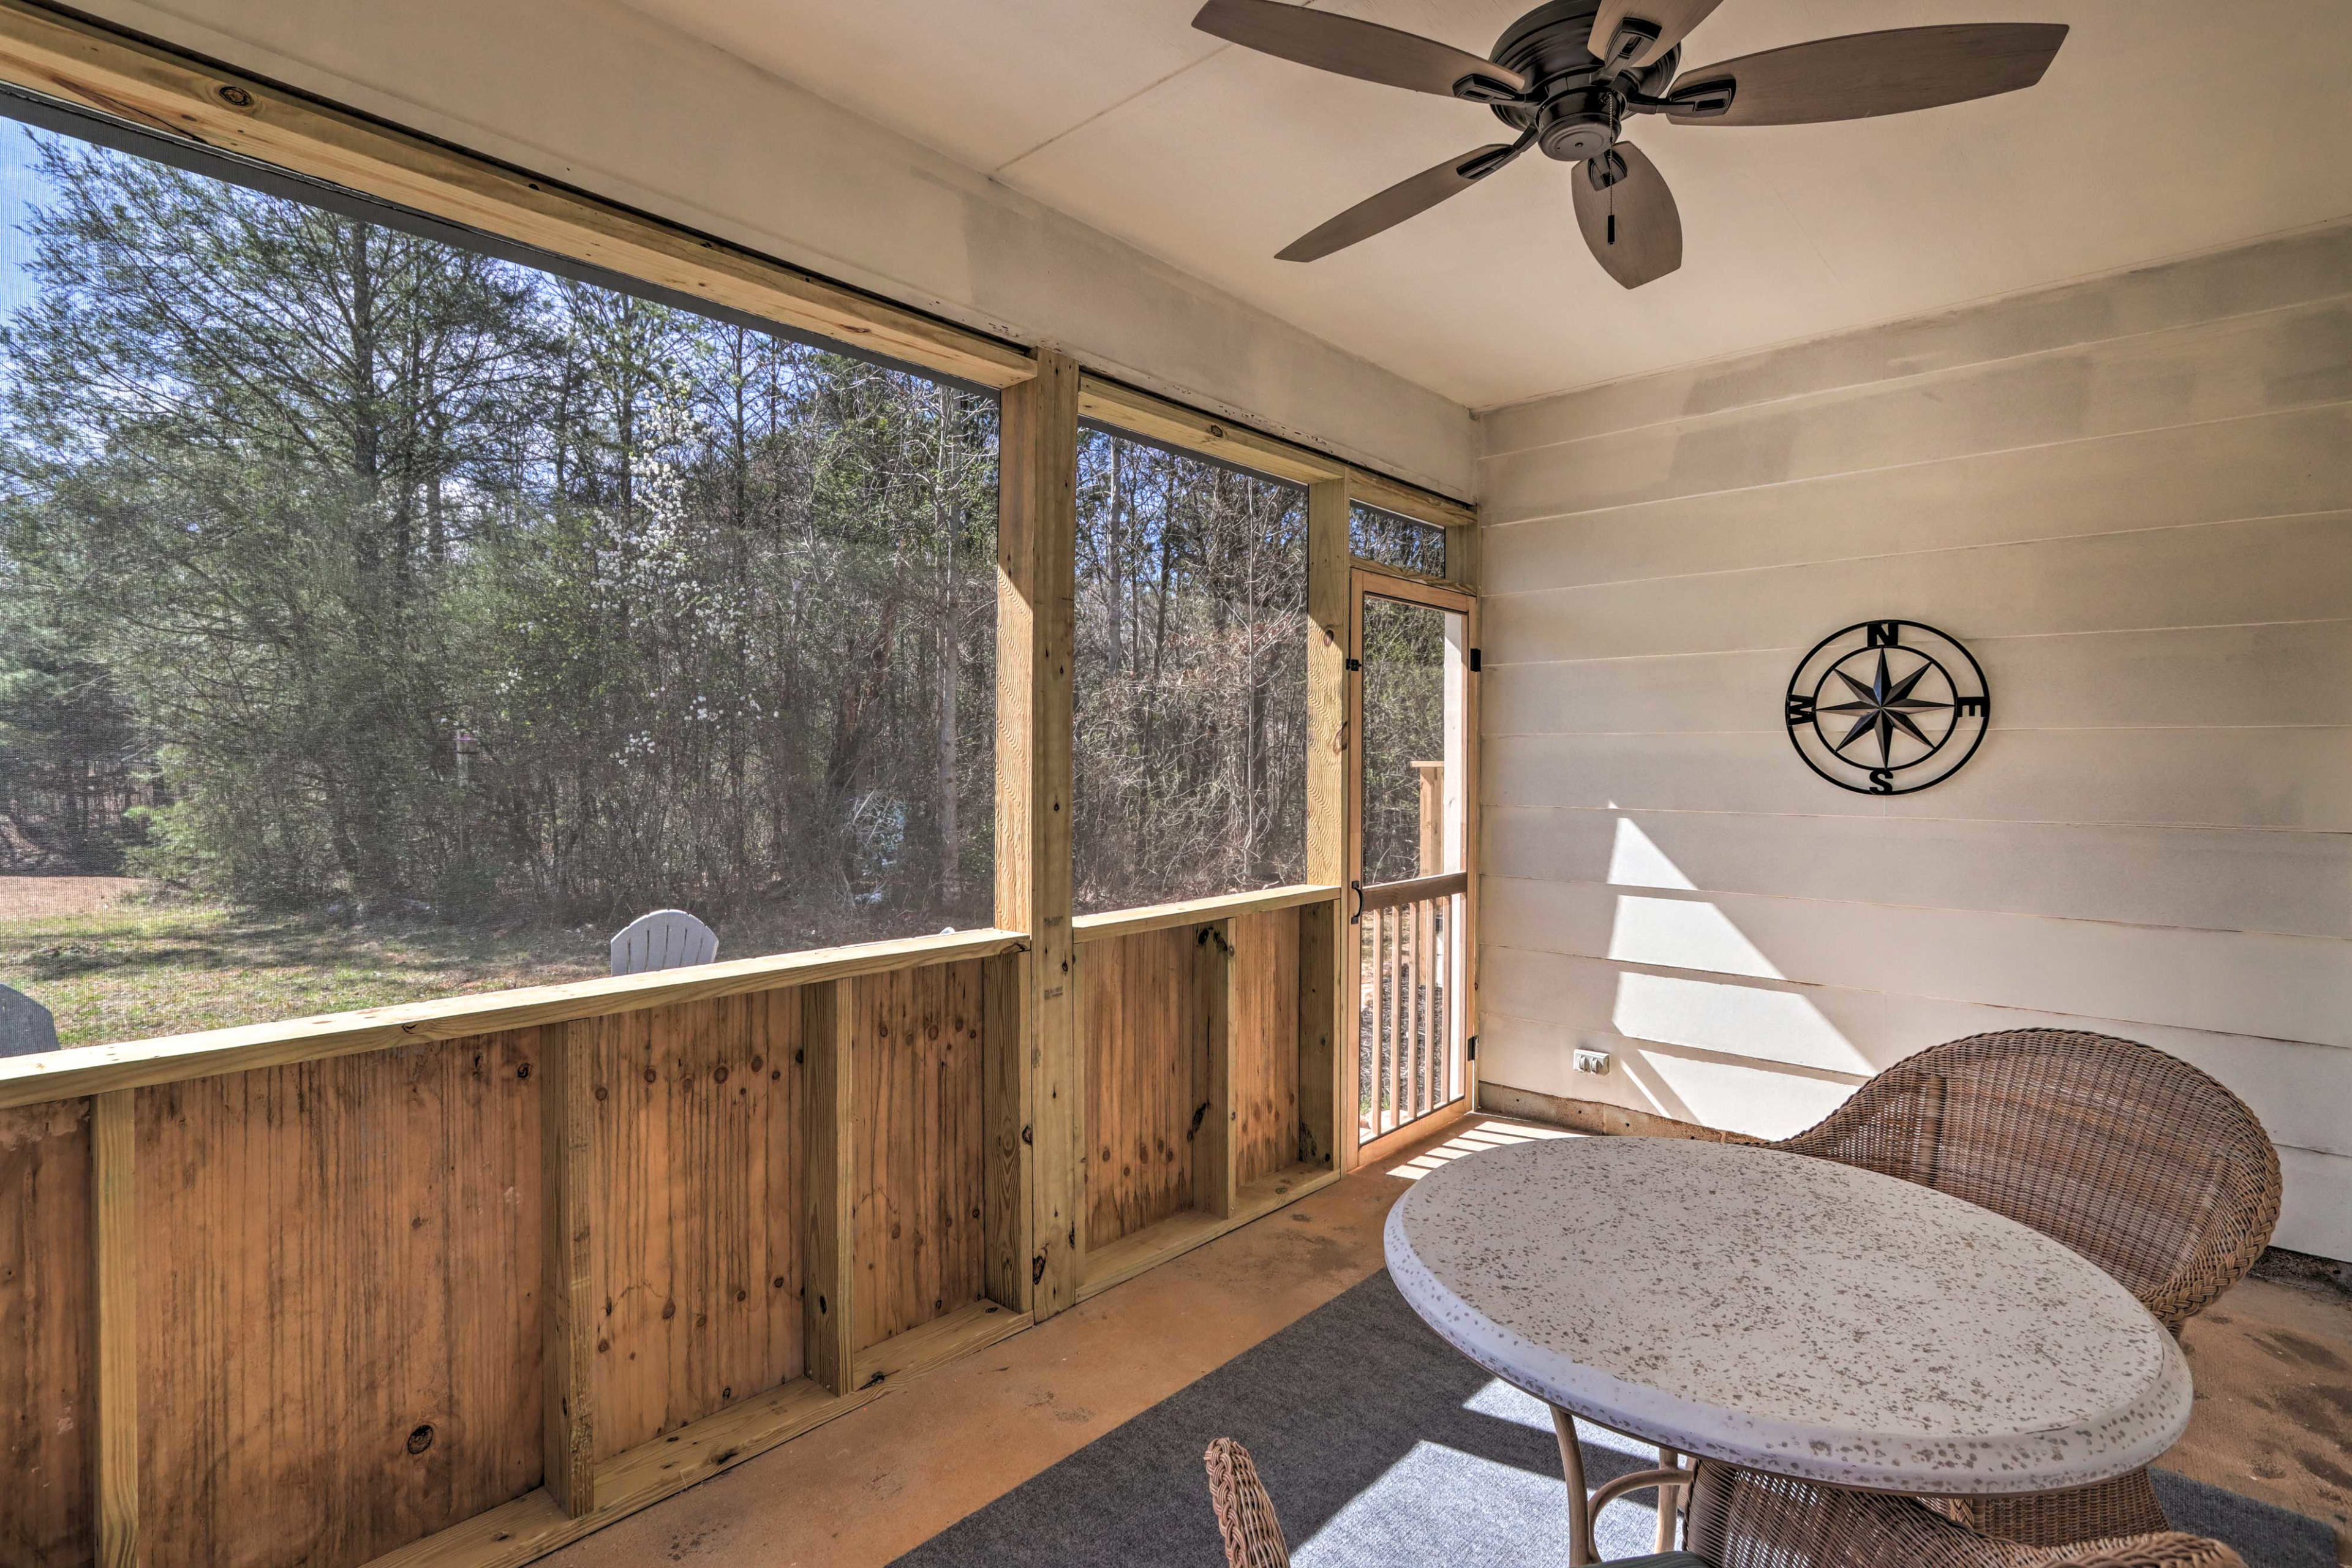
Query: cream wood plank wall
{"points": [[2132, 498]]}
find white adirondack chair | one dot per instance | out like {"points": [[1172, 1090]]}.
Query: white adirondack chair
{"points": [[26, 1027], [665, 938]]}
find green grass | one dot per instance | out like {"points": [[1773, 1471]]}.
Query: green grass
{"points": [[115, 960], [141, 968]]}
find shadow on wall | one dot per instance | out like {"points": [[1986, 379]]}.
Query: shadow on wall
{"points": [[1698, 1044]]}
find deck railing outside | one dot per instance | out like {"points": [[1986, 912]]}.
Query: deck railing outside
{"points": [[1407, 1054], [1408, 1060]]}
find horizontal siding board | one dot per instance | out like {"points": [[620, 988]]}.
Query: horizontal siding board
{"points": [[2316, 1215], [2281, 778], [2291, 884], [2291, 1084], [2293, 672], [2268, 465], [1816, 1029], [1763, 1099], [2294, 270], [2272, 569], [2299, 357], [2296, 988]]}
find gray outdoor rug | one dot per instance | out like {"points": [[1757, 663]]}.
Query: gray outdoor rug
{"points": [[1382, 1445]]}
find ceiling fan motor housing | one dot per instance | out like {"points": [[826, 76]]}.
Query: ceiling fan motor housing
{"points": [[1576, 125], [1579, 104]]}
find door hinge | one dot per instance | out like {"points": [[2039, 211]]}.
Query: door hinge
{"points": [[1354, 665], [1473, 1052], [1473, 661]]}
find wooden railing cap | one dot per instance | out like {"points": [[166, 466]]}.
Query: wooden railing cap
{"points": [[137, 1064]]}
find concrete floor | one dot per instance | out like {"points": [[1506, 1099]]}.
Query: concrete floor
{"points": [[2273, 1418]]}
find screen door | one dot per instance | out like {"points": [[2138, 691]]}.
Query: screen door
{"points": [[1409, 691]]}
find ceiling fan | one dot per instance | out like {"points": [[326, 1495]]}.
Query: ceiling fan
{"points": [[1566, 76]]}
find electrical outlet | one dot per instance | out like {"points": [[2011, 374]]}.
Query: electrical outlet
{"points": [[1592, 1061]]}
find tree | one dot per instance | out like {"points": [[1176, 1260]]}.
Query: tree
{"points": [[291, 498], [1191, 725]]}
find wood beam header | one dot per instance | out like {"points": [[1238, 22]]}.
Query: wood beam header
{"points": [[1173, 425], [62, 57]]}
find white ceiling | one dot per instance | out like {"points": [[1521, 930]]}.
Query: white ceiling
{"points": [[2166, 127]]}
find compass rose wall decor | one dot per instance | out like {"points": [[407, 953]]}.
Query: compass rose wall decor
{"points": [[1887, 707]]}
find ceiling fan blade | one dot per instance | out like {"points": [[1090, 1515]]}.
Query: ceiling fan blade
{"points": [[1659, 25], [1362, 49], [1867, 74], [1401, 201], [1633, 225]]}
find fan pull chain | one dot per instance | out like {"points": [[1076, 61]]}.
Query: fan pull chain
{"points": [[1613, 215]]}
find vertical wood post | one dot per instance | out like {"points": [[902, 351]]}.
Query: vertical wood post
{"points": [[827, 1316], [1037, 617], [568, 1319], [1326, 1045], [1431, 857], [1215, 1150], [1462, 553], [1319, 1121], [1005, 1111], [114, 1136]]}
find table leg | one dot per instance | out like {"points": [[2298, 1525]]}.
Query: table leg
{"points": [[1580, 1513], [1668, 1459]]}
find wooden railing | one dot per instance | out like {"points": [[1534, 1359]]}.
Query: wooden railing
{"points": [[1407, 1052], [456, 1282], [1207, 1050], [459, 1281]]}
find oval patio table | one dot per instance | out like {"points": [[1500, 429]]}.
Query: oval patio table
{"points": [[1786, 1314]]}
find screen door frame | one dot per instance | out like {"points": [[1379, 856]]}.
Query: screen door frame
{"points": [[1463, 827]]}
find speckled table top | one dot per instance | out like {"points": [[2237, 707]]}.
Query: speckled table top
{"points": [[1789, 1314]]}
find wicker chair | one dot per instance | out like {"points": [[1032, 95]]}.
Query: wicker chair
{"points": [[1245, 1513], [1740, 1518], [2133, 1158]]}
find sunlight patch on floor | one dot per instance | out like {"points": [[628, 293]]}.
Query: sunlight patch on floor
{"points": [[1435, 1504], [1483, 1135], [1438, 1504]]}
